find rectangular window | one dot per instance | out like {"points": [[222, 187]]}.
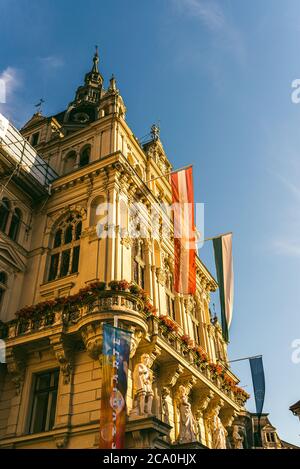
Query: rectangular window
{"points": [[75, 260], [44, 402], [65, 263], [53, 267]]}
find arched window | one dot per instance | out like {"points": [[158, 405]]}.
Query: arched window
{"points": [[98, 213], [139, 263], [85, 156], [15, 224], [70, 162], [4, 213], [3, 286], [64, 257]]}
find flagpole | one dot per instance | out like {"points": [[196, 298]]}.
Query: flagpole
{"points": [[214, 237], [168, 174], [246, 358]]}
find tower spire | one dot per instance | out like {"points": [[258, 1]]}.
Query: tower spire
{"points": [[95, 61], [94, 77]]}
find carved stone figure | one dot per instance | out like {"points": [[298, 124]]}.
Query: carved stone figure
{"points": [[142, 385], [237, 439], [217, 429], [188, 428]]}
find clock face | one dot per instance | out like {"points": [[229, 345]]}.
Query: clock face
{"points": [[81, 117]]}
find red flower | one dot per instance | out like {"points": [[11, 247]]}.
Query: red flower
{"points": [[171, 325], [186, 339], [119, 285]]}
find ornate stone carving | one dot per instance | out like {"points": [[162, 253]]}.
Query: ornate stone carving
{"points": [[61, 441], [92, 337], [171, 376], [135, 340], [142, 387], [161, 276], [215, 425], [16, 368], [188, 427], [126, 240], [201, 401], [237, 438], [227, 415], [165, 393], [62, 356]]}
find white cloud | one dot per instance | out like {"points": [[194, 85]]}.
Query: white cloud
{"points": [[10, 81], [51, 62], [286, 247], [208, 12]]}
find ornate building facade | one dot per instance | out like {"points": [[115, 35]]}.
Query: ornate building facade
{"points": [[62, 262], [255, 433]]}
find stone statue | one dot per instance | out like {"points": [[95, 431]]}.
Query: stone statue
{"points": [[188, 428], [142, 387], [237, 439], [217, 429]]}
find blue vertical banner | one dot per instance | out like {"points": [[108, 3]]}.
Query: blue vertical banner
{"points": [[258, 380], [116, 351]]}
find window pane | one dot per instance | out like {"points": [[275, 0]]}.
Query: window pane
{"points": [[65, 262], [53, 267], [78, 230], [68, 234], [44, 402], [35, 139], [14, 225], [57, 239], [85, 157], [4, 212], [75, 261], [52, 409], [43, 381], [39, 413]]}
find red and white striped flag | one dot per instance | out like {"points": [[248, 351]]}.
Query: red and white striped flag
{"points": [[184, 231]]}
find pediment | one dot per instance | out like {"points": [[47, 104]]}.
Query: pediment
{"points": [[10, 257]]}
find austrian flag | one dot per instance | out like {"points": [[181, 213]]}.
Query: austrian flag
{"points": [[184, 231]]}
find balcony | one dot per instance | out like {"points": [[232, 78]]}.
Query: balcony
{"points": [[98, 303]]}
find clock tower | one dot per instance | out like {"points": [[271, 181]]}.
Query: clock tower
{"points": [[85, 107]]}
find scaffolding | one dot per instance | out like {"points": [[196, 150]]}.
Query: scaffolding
{"points": [[21, 156]]}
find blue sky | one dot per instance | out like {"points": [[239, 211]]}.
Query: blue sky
{"points": [[217, 76]]}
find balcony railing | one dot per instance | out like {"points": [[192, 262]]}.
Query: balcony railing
{"points": [[130, 304]]}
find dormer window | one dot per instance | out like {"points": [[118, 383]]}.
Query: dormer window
{"points": [[35, 139]]}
